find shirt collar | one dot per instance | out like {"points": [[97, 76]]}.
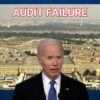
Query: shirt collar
{"points": [[46, 80], [46, 83]]}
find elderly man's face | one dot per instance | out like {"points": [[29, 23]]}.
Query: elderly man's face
{"points": [[51, 60]]}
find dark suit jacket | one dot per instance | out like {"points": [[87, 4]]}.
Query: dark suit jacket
{"points": [[32, 89]]}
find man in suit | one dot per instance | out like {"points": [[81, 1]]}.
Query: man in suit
{"points": [[50, 55]]}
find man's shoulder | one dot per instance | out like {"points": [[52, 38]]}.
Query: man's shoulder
{"points": [[31, 81], [70, 81]]}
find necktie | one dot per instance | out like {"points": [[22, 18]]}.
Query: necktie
{"points": [[52, 92]]}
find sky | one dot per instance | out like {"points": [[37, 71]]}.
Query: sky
{"points": [[6, 11]]}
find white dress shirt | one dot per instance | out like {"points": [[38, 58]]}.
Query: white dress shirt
{"points": [[46, 85]]}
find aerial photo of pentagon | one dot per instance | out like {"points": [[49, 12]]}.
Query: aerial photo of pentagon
{"points": [[18, 49]]}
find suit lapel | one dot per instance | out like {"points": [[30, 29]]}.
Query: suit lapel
{"points": [[39, 87], [65, 90]]}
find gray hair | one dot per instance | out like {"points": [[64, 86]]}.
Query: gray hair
{"points": [[47, 42]]}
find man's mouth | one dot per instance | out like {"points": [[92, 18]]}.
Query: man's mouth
{"points": [[54, 69]]}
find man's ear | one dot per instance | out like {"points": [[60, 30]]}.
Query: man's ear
{"points": [[39, 59]]}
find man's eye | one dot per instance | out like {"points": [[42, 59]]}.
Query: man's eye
{"points": [[59, 57], [50, 57]]}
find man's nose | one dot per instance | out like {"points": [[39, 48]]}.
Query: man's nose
{"points": [[54, 62]]}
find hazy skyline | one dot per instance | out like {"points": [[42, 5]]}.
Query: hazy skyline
{"points": [[93, 11]]}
